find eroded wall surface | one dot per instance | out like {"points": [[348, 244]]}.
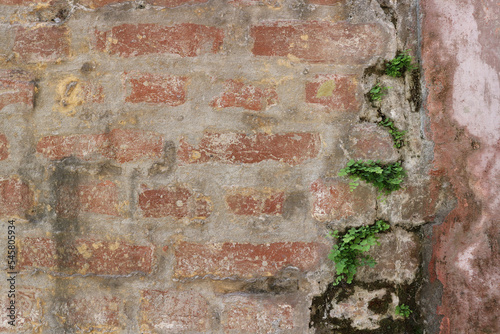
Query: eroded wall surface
{"points": [[460, 54], [171, 166]]}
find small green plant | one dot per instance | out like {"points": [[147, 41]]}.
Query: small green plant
{"points": [[397, 135], [403, 310], [385, 177], [377, 92], [399, 65], [347, 253]]}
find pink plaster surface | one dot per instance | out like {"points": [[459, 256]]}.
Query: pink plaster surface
{"points": [[461, 62]]}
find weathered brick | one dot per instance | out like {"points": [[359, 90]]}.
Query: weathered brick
{"points": [[16, 86], [255, 202], [131, 145], [19, 2], [336, 92], [4, 147], [122, 145], [42, 44], [370, 141], [16, 198], [155, 88], [185, 40], [99, 197], [72, 92], [292, 148], [174, 311], [163, 3], [245, 315], [178, 202], [245, 260], [237, 94], [333, 200], [85, 256], [99, 3], [96, 313], [29, 317], [319, 41], [175, 3], [84, 147], [96, 197], [399, 266], [324, 2]]}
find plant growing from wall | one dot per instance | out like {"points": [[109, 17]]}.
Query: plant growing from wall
{"points": [[347, 253], [385, 177], [399, 65], [397, 135], [377, 92], [403, 310]]}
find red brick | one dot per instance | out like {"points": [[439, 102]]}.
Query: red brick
{"points": [[174, 312], [320, 41], [131, 145], [96, 197], [15, 198], [324, 2], [93, 313], [256, 315], [4, 147], [163, 3], [175, 3], [20, 2], [370, 141], [122, 145], [85, 256], [29, 316], [291, 148], [343, 97], [255, 202], [46, 43], [155, 88], [177, 202], [245, 260], [185, 40], [333, 200], [99, 3], [237, 94], [99, 198], [16, 86], [83, 147], [93, 92]]}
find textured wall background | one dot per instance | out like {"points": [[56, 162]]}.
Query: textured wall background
{"points": [[171, 168]]}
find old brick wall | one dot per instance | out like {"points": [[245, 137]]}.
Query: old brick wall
{"points": [[171, 167]]}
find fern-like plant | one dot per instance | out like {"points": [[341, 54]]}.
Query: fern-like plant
{"points": [[385, 177], [347, 253], [403, 310], [377, 92], [399, 65], [397, 135]]}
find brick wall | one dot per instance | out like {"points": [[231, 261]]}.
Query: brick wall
{"points": [[172, 165]]}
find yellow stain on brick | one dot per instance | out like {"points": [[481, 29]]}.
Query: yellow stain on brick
{"points": [[293, 58], [326, 89], [83, 249], [114, 246], [195, 155], [69, 95], [304, 37]]}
